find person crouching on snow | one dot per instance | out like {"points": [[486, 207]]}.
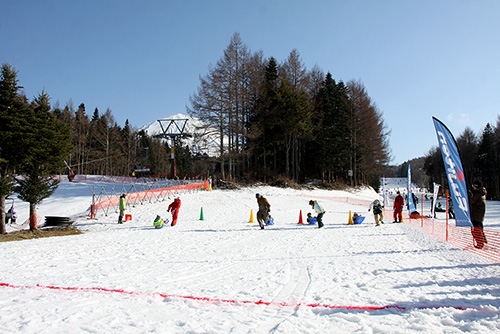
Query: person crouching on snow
{"points": [[174, 208], [319, 210], [264, 209]]}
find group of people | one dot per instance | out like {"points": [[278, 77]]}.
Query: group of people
{"points": [[173, 208], [477, 207], [397, 207], [263, 214], [477, 196]]}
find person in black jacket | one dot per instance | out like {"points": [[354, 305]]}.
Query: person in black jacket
{"points": [[478, 210], [377, 212], [264, 209]]}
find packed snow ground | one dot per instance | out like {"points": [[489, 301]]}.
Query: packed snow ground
{"points": [[223, 274]]}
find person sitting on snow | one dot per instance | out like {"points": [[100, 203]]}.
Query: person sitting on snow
{"points": [[158, 223], [439, 208], [270, 220], [416, 215], [310, 219]]}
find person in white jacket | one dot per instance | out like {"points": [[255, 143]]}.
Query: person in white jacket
{"points": [[319, 210]]}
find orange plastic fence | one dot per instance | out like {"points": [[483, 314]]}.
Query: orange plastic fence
{"points": [[36, 218], [147, 194], [460, 237], [343, 199]]}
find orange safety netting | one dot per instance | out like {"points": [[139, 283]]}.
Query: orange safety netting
{"points": [[460, 236], [343, 199], [140, 196]]}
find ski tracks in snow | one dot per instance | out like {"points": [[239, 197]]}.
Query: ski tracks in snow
{"points": [[292, 292]]}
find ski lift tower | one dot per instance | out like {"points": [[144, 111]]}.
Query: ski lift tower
{"points": [[172, 129]]}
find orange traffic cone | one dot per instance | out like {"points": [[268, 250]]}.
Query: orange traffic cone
{"points": [[300, 218], [251, 220]]}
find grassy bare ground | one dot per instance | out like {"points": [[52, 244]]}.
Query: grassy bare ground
{"points": [[40, 233]]}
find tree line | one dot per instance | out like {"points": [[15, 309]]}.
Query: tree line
{"points": [[480, 155], [40, 141], [274, 121], [284, 121]]}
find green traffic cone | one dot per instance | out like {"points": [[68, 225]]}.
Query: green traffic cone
{"points": [[202, 217]]}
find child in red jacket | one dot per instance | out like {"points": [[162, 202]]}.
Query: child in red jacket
{"points": [[174, 209]]}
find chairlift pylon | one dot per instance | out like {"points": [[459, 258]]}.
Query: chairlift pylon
{"points": [[172, 129]]}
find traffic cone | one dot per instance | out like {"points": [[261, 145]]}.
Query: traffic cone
{"points": [[300, 218], [349, 220], [202, 217], [402, 218], [251, 220]]}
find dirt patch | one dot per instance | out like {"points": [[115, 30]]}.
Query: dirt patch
{"points": [[40, 233]]}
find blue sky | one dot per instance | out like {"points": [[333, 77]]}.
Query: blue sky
{"points": [[143, 59]]}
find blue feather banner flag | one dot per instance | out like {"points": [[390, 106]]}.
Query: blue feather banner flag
{"points": [[411, 202], [454, 173]]}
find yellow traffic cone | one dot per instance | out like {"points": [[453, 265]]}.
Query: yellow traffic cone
{"points": [[251, 220], [349, 220]]}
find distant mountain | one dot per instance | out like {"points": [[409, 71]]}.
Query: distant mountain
{"points": [[201, 138]]}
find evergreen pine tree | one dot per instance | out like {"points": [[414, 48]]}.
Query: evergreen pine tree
{"points": [[486, 158], [13, 111], [46, 142]]}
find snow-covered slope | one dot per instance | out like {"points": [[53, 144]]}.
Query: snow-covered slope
{"points": [[223, 274]]}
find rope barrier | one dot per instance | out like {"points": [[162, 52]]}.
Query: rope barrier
{"points": [[240, 302]]}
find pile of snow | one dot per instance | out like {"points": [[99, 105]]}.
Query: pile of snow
{"points": [[224, 274]]}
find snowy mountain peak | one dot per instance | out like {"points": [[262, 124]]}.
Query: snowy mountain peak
{"points": [[200, 137]]}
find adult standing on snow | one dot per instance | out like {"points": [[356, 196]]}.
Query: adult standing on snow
{"points": [[264, 209], [122, 207], [398, 205], [319, 210], [174, 208], [377, 212], [477, 211]]}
